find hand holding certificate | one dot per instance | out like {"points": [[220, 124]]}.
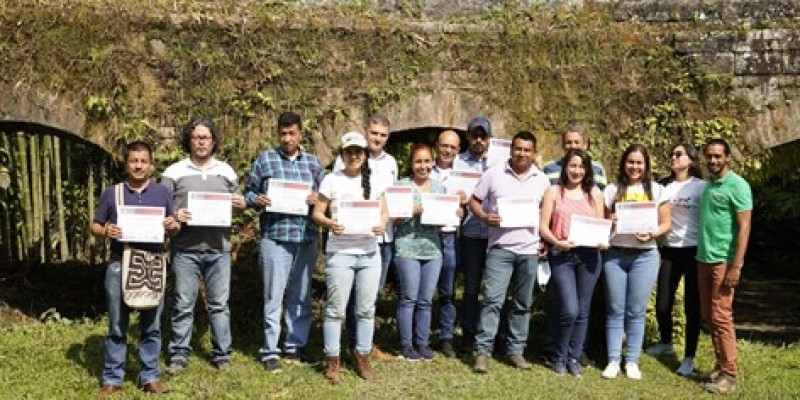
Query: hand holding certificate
{"points": [[400, 201], [440, 209], [209, 209], [499, 151], [588, 231], [636, 217], [518, 212], [359, 217], [288, 197], [141, 224]]}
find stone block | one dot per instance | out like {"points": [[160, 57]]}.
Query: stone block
{"points": [[755, 63]]}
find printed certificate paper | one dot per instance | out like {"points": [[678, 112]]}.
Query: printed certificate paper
{"points": [[462, 180], [400, 201], [359, 217], [588, 231], [209, 209], [141, 224], [440, 209], [288, 197], [499, 151], [636, 217], [518, 212]]}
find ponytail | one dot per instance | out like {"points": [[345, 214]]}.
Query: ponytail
{"points": [[365, 182]]}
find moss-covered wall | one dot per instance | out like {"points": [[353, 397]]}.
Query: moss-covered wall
{"points": [[143, 68]]}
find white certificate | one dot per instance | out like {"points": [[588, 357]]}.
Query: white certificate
{"points": [[518, 212], [499, 151], [636, 217], [141, 224], [359, 217], [288, 197], [440, 209], [400, 201], [588, 231], [462, 180], [209, 209]]}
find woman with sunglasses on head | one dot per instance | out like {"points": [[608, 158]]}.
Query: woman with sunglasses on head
{"points": [[630, 266], [353, 260], [684, 186], [575, 270], [418, 260]]}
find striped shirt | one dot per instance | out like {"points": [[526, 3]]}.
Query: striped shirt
{"points": [[274, 163]]}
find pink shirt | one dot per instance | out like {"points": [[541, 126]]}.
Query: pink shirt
{"points": [[562, 213], [501, 181]]}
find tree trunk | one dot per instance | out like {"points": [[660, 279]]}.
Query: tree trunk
{"points": [[46, 196], [36, 197], [24, 194], [59, 194]]}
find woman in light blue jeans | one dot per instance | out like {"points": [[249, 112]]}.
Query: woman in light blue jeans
{"points": [[353, 259], [418, 260], [630, 266]]}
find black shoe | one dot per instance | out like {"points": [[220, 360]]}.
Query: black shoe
{"points": [[585, 361], [272, 365], [447, 349], [546, 360], [299, 356]]}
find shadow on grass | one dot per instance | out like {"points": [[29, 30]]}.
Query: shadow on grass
{"points": [[88, 355]]}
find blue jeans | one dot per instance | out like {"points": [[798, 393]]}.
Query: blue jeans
{"points": [[447, 277], [417, 279], [215, 269], [506, 270], [343, 274], [386, 253], [473, 260], [629, 278], [286, 270], [574, 276], [115, 345]]}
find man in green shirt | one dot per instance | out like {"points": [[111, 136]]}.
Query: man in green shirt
{"points": [[725, 213]]}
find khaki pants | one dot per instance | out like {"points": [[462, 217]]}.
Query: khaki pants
{"points": [[716, 306]]}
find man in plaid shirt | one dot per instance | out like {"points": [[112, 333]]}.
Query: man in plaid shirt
{"points": [[288, 243]]}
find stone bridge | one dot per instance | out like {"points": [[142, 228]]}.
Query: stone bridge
{"points": [[762, 55]]}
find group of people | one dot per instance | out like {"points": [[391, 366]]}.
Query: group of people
{"points": [[702, 233]]}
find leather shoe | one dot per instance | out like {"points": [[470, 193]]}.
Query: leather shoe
{"points": [[155, 387], [108, 390]]}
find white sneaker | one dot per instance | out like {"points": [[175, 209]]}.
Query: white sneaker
{"points": [[612, 370], [687, 367], [632, 371], [659, 349]]}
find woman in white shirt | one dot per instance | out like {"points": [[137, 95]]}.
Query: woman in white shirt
{"points": [[684, 187], [630, 266], [353, 259]]}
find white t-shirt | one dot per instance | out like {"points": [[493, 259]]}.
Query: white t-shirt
{"points": [[339, 187], [385, 165], [685, 200], [634, 193]]}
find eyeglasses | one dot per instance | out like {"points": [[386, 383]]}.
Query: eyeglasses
{"points": [[677, 154]]}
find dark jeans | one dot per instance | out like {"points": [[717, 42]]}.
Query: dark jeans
{"points": [[677, 262], [574, 276], [446, 287], [473, 263]]}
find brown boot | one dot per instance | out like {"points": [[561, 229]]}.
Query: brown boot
{"points": [[379, 354], [333, 369], [362, 366]]}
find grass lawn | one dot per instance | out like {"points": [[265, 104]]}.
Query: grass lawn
{"points": [[63, 359]]}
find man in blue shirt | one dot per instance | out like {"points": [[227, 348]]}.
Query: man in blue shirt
{"points": [[288, 243]]}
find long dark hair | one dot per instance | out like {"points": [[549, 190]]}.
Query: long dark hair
{"points": [[414, 149], [366, 172], [694, 167], [622, 178], [587, 183], [188, 129]]}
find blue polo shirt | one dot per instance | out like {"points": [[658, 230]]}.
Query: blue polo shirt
{"points": [[153, 195]]}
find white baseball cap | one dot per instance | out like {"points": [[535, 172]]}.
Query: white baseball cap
{"points": [[354, 139]]}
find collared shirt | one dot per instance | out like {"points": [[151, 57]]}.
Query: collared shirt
{"points": [[471, 227], [386, 165], [722, 200], [501, 181], [153, 195], [274, 163], [553, 171], [183, 177]]}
